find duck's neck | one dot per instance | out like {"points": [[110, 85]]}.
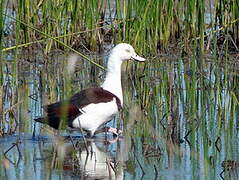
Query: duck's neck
{"points": [[112, 81]]}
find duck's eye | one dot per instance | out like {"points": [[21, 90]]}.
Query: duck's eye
{"points": [[127, 50]]}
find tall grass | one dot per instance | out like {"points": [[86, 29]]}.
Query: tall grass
{"points": [[151, 26], [61, 18]]}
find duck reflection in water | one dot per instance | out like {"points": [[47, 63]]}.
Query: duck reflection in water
{"points": [[91, 159]]}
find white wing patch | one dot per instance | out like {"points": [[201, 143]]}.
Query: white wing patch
{"points": [[95, 115]]}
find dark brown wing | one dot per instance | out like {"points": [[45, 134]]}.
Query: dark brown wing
{"points": [[70, 109], [93, 95], [57, 111]]}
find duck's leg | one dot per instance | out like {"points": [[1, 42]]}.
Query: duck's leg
{"points": [[114, 131]]}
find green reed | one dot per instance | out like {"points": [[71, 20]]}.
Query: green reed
{"points": [[150, 26], [207, 107], [60, 18]]}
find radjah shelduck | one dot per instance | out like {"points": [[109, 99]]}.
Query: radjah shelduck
{"points": [[91, 108]]}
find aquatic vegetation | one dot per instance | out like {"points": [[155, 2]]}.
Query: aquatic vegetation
{"points": [[152, 25], [172, 107]]}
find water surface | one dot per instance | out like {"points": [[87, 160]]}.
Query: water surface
{"points": [[180, 121]]}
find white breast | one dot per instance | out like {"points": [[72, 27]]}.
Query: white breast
{"points": [[95, 115]]}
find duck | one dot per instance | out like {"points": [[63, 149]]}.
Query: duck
{"points": [[90, 109]]}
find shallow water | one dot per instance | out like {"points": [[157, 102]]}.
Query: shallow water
{"points": [[180, 121]]}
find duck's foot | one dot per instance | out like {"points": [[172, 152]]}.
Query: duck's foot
{"points": [[116, 132]]}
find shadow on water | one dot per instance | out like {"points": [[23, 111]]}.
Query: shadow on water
{"points": [[180, 121]]}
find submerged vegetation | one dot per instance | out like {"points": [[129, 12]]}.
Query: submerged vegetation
{"points": [[180, 107]]}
